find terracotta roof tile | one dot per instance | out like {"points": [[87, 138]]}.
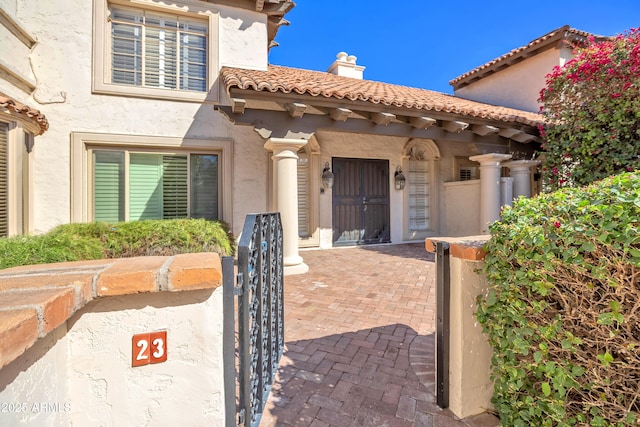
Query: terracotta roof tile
{"points": [[557, 34], [33, 115], [326, 85]]}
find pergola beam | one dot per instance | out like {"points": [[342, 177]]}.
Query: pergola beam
{"points": [[422, 122], [524, 137], [382, 118], [238, 105], [484, 130], [296, 109], [455, 126], [340, 114], [509, 132]]}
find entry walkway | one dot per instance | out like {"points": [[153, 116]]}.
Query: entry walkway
{"points": [[359, 342]]}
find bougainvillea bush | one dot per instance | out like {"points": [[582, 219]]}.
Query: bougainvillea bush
{"points": [[563, 308], [592, 112]]}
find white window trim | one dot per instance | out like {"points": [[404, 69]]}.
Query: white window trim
{"points": [[81, 173], [101, 81], [432, 156], [19, 175]]}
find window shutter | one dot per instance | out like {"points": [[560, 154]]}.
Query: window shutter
{"points": [[174, 187], [303, 195], [418, 195], [204, 186], [4, 189], [126, 47], [145, 186], [108, 188], [160, 51], [156, 50], [193, 56]]}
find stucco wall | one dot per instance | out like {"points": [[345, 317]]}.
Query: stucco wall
{"points": [[19, 62], [462, 208], [82, 371], [517, 86], [64, 95], [470, 354], [14, 66], [34, 389], [243, 38]]}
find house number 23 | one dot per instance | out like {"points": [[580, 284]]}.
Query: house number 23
{"points": [[149, 348]]}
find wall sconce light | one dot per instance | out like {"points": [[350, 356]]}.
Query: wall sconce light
{"points": [[399, 179], [327, 177]]}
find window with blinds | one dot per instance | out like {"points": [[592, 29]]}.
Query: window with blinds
{"points": [[4, 190], [303, 195], [156, 50], [466, 169], [418, 183], [159, 186]]}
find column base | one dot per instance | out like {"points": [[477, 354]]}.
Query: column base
{"points": [[290, 270]]}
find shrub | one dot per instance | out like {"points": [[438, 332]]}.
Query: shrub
{"points": [[592, 111], [73, 242], [563, 307]]}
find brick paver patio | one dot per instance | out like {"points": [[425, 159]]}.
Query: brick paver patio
{"points": [[359, 332]]}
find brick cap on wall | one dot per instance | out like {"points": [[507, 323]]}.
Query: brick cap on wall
{"points": [[470, 247], [36, 299]]}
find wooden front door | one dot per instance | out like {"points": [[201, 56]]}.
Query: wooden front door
{"points": [[360, 201]]}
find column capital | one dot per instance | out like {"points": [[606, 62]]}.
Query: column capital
{"points": [[285, 146], [519, 165], [490, 159]]}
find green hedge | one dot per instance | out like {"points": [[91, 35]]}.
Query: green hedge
{"points": [[97, 240], [562, 311]]}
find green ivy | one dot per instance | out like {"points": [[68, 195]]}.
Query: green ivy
{"points": [[562, 312]]}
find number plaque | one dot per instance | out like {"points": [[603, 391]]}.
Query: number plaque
{"points": [[149, 348]]}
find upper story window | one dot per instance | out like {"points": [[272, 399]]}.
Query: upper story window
{"points": [[155, 50]]}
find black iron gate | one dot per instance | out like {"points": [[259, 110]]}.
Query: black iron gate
{"points": [[260, 328]]}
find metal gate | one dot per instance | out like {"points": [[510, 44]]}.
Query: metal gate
{"points": [[259, 287]]}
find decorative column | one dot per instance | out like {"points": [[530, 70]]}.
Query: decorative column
{"points": [[521, 173], [285, 174], [489, 187], [506, 191]]}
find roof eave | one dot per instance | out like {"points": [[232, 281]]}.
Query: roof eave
{"points": [[541, 44]]}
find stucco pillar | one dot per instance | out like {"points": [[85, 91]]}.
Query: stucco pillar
{"points": [[506, 191], [285, 174], [521, 173], [489, 187]]}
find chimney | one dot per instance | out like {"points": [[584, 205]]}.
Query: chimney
{"points": [[345, 66]]}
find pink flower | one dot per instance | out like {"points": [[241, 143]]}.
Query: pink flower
{"points": [[616, 95], [556, 224]]}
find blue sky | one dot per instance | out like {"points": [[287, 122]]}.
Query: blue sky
{"points": [[426, 43]]}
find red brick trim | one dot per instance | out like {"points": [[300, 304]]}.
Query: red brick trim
{"points": [[36, 299], [470, 248]]}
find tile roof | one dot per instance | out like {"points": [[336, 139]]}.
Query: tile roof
{"points": [[31, 114], [325, 85], [564, 32]]}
